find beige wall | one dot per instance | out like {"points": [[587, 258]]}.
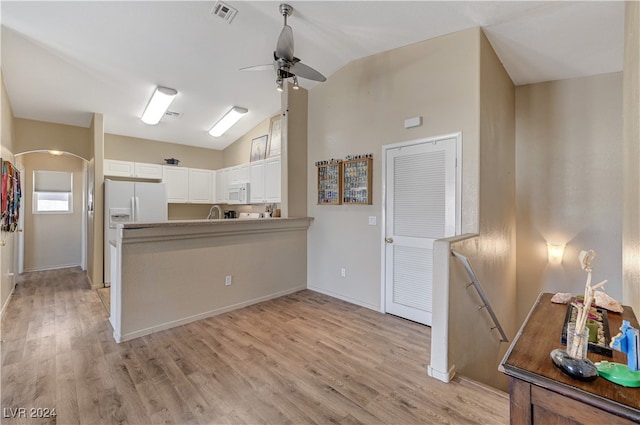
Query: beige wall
{"points": [[52, 240], [363, 107], [7, 252], [33, 135], [631, 155], [95, 216], [476, 351], [569, 183], [154, 152], [173, 275], [294, 151], [238, 152]]}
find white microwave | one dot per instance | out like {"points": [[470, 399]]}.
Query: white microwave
{"points": [[238, 193]]}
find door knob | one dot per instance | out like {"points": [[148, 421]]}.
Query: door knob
{"points": [[388, 240]]}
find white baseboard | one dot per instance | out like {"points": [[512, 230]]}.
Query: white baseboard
{"points": [[442, 376], [168, 325], [345, 298], [44, 268], [6, 303]]}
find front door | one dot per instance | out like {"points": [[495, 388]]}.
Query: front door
{"points": [[420, 206]]}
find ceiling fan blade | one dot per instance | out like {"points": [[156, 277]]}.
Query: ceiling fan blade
{"points": [[304, 71], [266, 67], [284, 48]]}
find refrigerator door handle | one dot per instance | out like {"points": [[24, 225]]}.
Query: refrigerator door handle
{"points": [[132, 201], [137, 209]]}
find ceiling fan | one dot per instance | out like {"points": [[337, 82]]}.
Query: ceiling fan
{"points": [[285, 63]]}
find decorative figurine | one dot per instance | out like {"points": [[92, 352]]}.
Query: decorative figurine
{"points": [[573, 361], [628, 342]]}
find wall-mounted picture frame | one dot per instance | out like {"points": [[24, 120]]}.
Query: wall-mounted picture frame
{"points": [[275, 137], [258, 148]]}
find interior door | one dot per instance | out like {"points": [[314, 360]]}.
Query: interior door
{"points": [[420, 206]]}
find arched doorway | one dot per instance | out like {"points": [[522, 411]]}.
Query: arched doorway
{"points": [[53, 212]]}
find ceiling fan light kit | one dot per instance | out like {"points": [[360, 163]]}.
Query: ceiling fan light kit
{"points": [[285, 63], [226, 122], [158, 105]]}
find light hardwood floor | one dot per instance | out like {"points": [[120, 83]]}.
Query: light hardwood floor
{"points": [[301, 359]]}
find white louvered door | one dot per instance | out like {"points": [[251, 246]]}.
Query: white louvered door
{"points": [[420, 208]]}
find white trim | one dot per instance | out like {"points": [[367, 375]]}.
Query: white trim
{"points": [[6, 303], [383, 170], [383, 230], [344, 298], [445, 377], [83, 236], [439, 359], [44, 268], [132, 335]]}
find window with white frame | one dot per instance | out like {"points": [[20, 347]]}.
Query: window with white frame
{"points": [[52, 192]]}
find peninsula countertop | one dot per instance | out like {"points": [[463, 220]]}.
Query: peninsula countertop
{"points": [[207, 228]]}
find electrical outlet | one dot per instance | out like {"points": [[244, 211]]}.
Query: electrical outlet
{"points": [[372, 220], [227, 281], [343, 272]]}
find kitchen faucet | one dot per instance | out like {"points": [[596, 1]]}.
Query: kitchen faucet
{"points": [[217, 208]]}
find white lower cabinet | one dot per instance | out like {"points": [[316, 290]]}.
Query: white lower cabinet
{"points": [[265, 180]]}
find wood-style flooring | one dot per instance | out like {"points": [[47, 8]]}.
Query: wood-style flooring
{"points": [[305, 358]]}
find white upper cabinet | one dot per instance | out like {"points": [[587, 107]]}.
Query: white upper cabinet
{"points": [[116, 168], [272, 180], [265, 180], [177, 180], [239, 174], [201, 189], [147, 171], [222, 180], [256, 181], [139, 170]]}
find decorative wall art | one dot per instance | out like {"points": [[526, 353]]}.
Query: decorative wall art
{"points": [[259, 148], [275, 137]]}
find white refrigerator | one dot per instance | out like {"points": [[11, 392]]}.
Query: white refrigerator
{"points": [[130, 202]]}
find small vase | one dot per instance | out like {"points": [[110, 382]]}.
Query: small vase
{"points": [[573, 361], [577, 344]]}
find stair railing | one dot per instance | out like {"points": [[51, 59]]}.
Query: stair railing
{"points": [[476, 283]]}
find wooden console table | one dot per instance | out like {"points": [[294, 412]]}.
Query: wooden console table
{"points": [[540, 393]]}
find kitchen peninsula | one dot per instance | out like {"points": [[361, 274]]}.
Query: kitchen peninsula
{"points": [[171, 273]]}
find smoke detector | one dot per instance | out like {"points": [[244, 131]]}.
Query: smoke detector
{"points": [[224, 11]]}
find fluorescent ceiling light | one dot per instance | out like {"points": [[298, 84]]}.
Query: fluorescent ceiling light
{"points": [[158, 105], [227, 121]]}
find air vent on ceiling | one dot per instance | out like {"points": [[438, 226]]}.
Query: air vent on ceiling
{"points": [[173, 114], [224, 11]]}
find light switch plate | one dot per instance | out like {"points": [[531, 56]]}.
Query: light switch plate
{"points": [[372, 220]]}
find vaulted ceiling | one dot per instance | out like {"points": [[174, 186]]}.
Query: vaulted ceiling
{"points": [[62, 61]]}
